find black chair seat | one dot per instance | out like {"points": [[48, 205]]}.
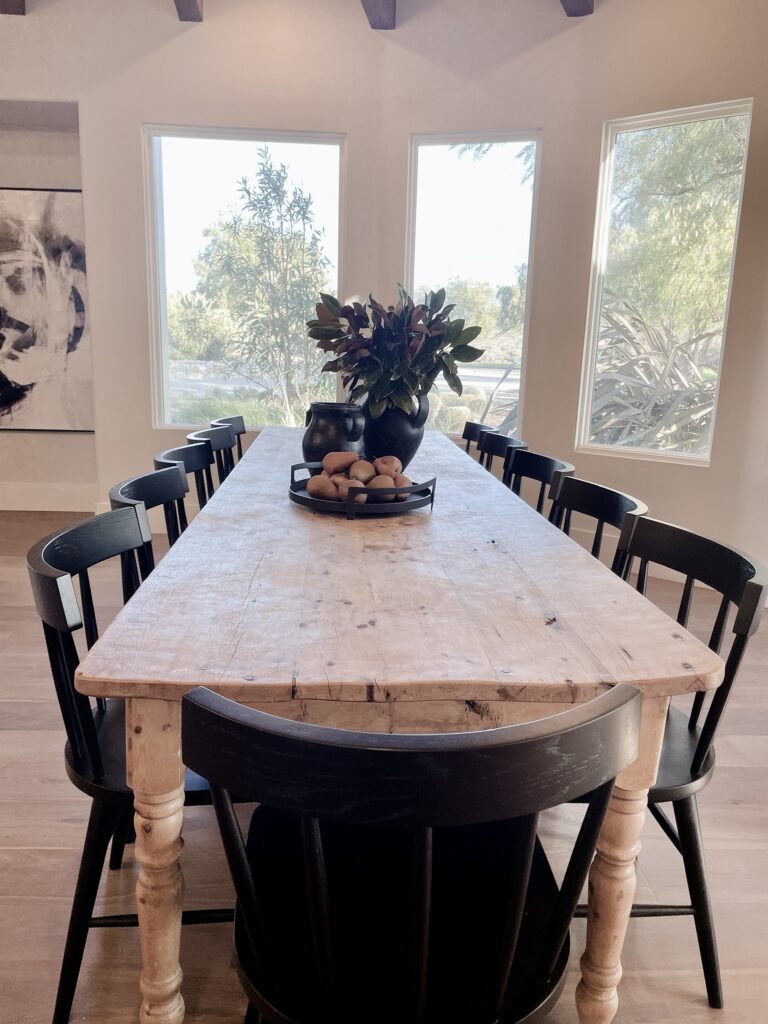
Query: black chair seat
{"points": [[112, 785], [468, 907], [675, 779]]}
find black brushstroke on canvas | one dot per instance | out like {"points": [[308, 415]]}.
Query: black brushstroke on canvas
{"points": [[47, 247]]}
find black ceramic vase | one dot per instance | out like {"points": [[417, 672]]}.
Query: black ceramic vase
{"points": [[395, 432], [332, 427]]}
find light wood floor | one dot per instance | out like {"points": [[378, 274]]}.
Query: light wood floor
{"points": [[42, 823]]}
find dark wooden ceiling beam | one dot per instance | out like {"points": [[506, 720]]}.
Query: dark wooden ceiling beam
{"points": [[381, 13], [189, 10], [578, 8], [13, 6]]}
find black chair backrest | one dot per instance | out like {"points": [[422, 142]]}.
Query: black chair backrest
{"points": [[520, 464], [491, 444], [473, 430], [423, 787], [740, 580], [569, 494], [53, 563], [194, 458], [238, 425], [222, 440], [165, 487]]}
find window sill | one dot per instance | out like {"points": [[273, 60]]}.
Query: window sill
{"points": [[644, 455]]}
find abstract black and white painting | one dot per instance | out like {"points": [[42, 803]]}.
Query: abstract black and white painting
{"points": [[46, 377]]}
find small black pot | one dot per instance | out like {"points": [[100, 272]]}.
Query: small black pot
{"points": [[394, 432], [332, 427]]}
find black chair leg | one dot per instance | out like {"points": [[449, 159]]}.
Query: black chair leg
{"points": [[124, 833], [101, 825], [689, 831]]}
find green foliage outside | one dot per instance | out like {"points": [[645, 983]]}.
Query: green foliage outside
{"points": [[257, 280], [673, 219], [258, 277]]}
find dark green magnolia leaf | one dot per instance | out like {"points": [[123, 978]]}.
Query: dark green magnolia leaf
{"points": [[448, 362], [384, 388], [453, 381], [325, 333], [326, 345], [324, 315], [436, 301], [404, 401], [453, 331], [376, 407], [331, 367], [468, 334], [332, 304], [466, 354], [357, 392]]}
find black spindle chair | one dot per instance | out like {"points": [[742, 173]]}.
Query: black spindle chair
{"points": [[687, 755], [492, 444], [605, 505], [520, 464], [238, 426], [399, 877], [165, 487], [473, 431], [94, 754], [222, 440], [196, 459]]}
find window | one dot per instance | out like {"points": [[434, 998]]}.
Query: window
{"points": [[668, 212], [471, 233], [246, 236]]}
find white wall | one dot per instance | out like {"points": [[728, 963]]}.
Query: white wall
{"points": [[41, 470], [453, 65]]}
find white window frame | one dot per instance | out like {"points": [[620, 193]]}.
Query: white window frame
{"points": [[682, 115], [430, 139], [153, 192]]}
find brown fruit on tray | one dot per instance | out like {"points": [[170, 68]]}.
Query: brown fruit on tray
{"points": [[344, 470], [321, 486], [352, 485], [362, 470], [402, 481], [339, 462], [382, 480], [388, 465]]}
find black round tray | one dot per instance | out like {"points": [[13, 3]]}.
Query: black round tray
{"points": [[418, 496]]}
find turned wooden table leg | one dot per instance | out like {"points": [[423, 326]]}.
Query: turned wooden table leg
{"points": [[156, 776], [612, 878]]}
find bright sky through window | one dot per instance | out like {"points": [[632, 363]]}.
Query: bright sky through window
{"points": [[242, 267], [472, 236], [202, 179]]}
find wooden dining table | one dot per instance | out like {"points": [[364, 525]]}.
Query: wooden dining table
{"points": [[475, 614]]}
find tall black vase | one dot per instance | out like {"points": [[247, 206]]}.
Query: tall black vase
{"points": [[395, 432], [332, 427]]}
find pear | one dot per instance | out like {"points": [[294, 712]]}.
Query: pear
{"points": [[339, 462], [382, 480], [402, 481], [389, 466], [321, 486], [362, 470], [352, 485]]}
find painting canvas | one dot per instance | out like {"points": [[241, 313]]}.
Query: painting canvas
{"points": [[46, 378]]}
